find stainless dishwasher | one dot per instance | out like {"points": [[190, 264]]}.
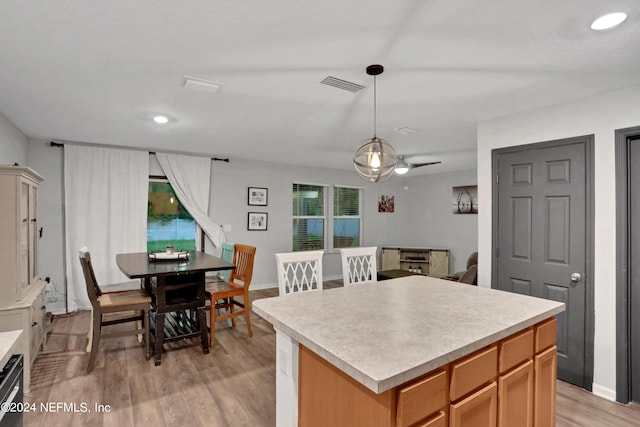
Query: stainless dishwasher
{"points": [[11, 392]]}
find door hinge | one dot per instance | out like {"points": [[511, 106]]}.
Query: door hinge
{"points": [[497, 252]]}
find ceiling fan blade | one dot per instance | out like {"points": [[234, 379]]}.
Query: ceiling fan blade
{"points": [[417, 165]]}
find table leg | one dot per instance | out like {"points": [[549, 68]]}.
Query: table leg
{"points": [[157, 356], [204, 336]]}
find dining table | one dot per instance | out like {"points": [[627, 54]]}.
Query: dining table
{"points": [[177, 288]]}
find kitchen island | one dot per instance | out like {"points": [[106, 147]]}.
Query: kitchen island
{"points": [[413, 349]]}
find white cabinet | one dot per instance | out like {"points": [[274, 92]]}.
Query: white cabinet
{"points": [[18, 232], [429, 261], [21, 289], [30, 316]]}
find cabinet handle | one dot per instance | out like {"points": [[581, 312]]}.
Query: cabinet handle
{"points": [[33, 220], [43, 307], [34, 323]]}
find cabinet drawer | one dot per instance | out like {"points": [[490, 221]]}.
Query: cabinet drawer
{"points": [[473, 371], [421, 399], [515, 350], [477, 410], [439, 420], [545, 334]]}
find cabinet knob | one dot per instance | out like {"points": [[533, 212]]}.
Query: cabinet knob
{"points": [[34, 323], [43, 307]]}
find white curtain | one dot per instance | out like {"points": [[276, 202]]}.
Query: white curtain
{"points": [[190, 178], [105, 195]]}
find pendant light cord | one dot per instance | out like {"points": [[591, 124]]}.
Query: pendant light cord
{"points": [[374, 107]]}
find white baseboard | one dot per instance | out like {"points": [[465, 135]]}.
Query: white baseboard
{"points": [[604, 392], [263, 286]]}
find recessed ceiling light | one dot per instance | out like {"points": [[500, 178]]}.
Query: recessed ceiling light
{"points": [[160, 119], [608, 21]]}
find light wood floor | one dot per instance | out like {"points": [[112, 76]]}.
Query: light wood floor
{"points": [[233, 385]]}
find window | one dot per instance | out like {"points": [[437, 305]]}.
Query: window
{"points": [[312, 225], [168, 222], [347, 222], [309, 217]]}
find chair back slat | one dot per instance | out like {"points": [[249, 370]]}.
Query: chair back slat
{"points": [[359, 265], [226, 253], [299, 271], [243, 257]]}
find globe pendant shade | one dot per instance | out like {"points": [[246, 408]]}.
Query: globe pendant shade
{"points": [[375, 160]]}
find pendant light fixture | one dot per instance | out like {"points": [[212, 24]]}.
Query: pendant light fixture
{"points": [[375, 160]]}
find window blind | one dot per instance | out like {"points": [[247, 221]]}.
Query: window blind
{"points": [[309, 217], [347, 220]]}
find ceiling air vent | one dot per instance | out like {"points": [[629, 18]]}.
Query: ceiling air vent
{"points": [[341, 84]]}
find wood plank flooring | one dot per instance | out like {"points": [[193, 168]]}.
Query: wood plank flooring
{"points": [[232, 386]]}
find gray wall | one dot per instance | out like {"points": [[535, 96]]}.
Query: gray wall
{"points": [[47, 161], [422, 212], [432, 221], [13, 143]]}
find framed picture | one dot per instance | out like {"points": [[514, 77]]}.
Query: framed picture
{"points": [[386, 203], [465, 199], [257, 196], [257, 221]]}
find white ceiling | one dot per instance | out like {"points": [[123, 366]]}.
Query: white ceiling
{"points": [[96, 71]]}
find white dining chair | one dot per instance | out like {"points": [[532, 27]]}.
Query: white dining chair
{"points": [[359, 265], [299, 271]]}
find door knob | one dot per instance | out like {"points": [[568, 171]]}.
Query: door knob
{"points": [[575, 277]]}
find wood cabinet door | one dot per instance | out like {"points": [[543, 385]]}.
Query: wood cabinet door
{"points": [[544, 400], [515, 397], [390, 259], [477, 410], [33, 233], [24, 240], [439, 263]]}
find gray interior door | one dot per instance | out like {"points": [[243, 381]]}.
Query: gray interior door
{"points": [[541, 239], [634, 266]]}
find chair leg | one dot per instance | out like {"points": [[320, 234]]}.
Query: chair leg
{"points": [[212, 323], [232, 308], [97, 325], [247, 316], [90, 333], [147, 338], [139, 325], [229, 321]]}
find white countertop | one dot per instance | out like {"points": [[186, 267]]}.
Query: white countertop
{"points": [[9, 345], [387, 333]]}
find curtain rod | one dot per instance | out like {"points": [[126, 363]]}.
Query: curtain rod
{"points": [[57, 144]]}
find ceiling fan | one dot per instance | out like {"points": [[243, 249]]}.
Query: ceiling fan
{"points": [[403, 167]]}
